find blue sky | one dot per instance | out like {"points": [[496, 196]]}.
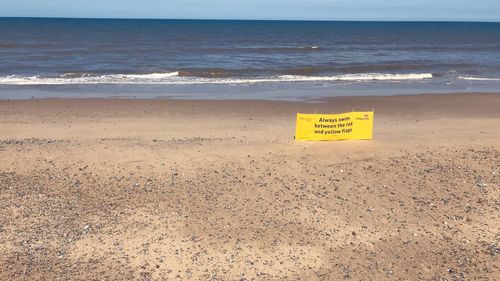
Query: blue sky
{"points": [[464, 10]]}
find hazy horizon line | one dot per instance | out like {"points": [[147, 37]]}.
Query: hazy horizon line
{"points": [[231, 19]]}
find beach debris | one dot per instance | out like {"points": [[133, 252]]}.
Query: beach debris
{"points": [[86, 229], [481, 184], [493, 249]]}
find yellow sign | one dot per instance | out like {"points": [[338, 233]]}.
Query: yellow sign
{"points": [[345, 126]]}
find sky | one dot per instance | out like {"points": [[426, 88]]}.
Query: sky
{"points": [[442, 10]]}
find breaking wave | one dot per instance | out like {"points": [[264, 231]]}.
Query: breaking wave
{"points": [[182, 78], [281, 49], [479, 78]]}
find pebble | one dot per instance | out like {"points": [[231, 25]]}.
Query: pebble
{"points": [[482, 184]]}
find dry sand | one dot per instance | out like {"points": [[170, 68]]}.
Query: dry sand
{"points": [[199, 190]]}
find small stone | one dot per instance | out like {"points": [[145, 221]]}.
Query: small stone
{"points": [[481, 184]]}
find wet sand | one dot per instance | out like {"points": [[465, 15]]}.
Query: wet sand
{"points": [[198, 190]]}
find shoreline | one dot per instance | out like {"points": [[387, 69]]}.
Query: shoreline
{"points": [[163, 189], [294, 92], [430, 102], [320, 99]]}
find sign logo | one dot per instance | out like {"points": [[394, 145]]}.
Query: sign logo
{"points": [[365, 117]]}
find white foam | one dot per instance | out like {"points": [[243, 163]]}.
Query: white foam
{"points": [[173, 78], [146, 76], [88, 80], [360, 77], [479, 78]]}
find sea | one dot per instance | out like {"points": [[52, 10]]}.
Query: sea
{"points": [[226, 59]]}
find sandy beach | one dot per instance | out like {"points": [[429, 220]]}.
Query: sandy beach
{"points": [[98, 189]]}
